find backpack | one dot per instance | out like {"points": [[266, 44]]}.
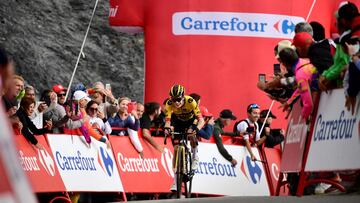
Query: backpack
{"points": [[247, 122]]}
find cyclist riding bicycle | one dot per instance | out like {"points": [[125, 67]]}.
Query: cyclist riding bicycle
{"points": [[183, 113]]}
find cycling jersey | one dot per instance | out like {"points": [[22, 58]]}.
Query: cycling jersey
{"points": [[184, 113]]}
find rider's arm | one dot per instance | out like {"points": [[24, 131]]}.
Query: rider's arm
{"points": [[168, 112]]}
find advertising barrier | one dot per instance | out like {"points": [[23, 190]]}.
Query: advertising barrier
{"points": [[215, 175], [39, 165], [85, 167], [273, 158], [294, 141], [153, 173], [335, 143], [14, 183]]}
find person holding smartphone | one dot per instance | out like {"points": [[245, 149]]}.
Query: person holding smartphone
{"points": [[249, 128]]}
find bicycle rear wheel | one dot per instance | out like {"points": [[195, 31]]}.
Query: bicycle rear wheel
{"points": [[189, 174]]}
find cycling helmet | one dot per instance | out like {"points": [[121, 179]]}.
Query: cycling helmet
{"points": [[177, 91]]}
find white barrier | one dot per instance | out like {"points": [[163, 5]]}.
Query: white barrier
{"points": [[335, 143], [85, 168], [216, 176]]}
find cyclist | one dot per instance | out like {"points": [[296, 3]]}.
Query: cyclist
{"points": [[183, 114]]}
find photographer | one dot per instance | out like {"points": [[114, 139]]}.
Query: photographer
{"points": [[281, 86], [250, 129], [273, 136]]}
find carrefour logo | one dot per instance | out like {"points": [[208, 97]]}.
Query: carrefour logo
{"points": [[251, 170], [234, 24], [105, 161], [47, 162], [166, 162], [285, 26]]}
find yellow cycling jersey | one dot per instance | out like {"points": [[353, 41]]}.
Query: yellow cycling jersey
{"points": [[184, 113]]}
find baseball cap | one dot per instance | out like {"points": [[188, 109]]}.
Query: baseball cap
{"points": [[227, 114], [282, 45], [78, 95], [264, 112], [205, 112], [59, 88], [302, 39]]}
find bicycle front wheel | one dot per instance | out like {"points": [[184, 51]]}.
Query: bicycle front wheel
{"points": [[179, 172]]}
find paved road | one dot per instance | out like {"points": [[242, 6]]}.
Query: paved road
{"points": [[307, 199]]}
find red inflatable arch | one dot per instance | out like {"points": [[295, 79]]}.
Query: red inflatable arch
{"points": [[215, 48]]}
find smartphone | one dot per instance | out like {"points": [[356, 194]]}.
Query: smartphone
{"points": [[262, 77], [277, 69], [108, 88], [131, 106]]}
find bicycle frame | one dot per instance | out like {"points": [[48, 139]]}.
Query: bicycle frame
{"points": [[182, 165]]}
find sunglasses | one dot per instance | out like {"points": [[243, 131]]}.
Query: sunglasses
{"points": [[61, 95], [93, 109], [178, 99], [254, 106]]}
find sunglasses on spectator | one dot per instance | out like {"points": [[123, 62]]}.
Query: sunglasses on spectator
{"points": [[61, 95], [254, 106], [178, 99], [93, 109]]}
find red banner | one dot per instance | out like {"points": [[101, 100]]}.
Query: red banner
{"points": [[5, 185], [273, 157], [294, 141], [139, 175], [39, 165]]}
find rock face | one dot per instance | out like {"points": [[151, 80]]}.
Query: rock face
{"points": [[45, 36]]}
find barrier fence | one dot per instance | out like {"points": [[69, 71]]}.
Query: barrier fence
{"points": [[69, 164], [330, 143]]}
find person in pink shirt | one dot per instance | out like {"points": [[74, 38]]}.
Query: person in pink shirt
{"points": [[306, 77]]}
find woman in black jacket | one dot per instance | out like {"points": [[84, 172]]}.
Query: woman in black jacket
{"points": [[26, 109]]}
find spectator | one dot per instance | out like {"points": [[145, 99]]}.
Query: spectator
{"points": [[319, 53], [57, 113], [352, 76], [61, 93], [224, 119], [81, 99], [40, 107], [281, 87], [19, 87], [108, 105], [273, 137], [140, 109], [30, 92], [123, 120], [304, 27], [249, 128], [318, 31], [196, 97], [26, 109], [345, 15], [306, 78], [208, 129], [147, 121], [97, 118]]}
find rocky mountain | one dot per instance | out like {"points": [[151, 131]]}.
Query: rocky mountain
{"points": [[45, 36]]}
